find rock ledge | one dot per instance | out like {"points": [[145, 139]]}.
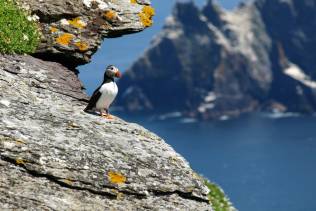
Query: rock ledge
{"points": [[73, 29], [53, 156]]}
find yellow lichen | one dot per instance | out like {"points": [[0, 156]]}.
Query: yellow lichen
{"points": [[72, 124], [120, 196], [149, 11], [133, 1], [77, 22], [9, 139], [110, 15], [68, 181], [64, 39], [116, 178], [20, 161], [196, 176], [19, 141], [82, 46], [146, 15], [53, 29]]}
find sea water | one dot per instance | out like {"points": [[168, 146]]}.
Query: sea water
{"points": [[263, 162]]}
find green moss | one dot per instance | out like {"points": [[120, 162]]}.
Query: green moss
{"points": [[217, 197], [17, 34]]}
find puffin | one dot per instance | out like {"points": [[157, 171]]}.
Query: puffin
{"points": [[105, 94]]}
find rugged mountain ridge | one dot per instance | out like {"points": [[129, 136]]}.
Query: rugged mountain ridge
{"points": [[54, 156], [210, 62]]}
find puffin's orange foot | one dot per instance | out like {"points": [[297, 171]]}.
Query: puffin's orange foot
{"points": [[107, 116], [110, 116], [104, 115]]}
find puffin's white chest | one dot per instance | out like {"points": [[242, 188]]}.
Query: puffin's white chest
{"points": [[108, 94]]}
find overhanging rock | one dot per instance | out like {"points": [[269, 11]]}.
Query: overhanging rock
{"points": [[72, 30]]}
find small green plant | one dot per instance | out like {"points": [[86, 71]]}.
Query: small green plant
{"points": [[217, 197], [18, 33]]}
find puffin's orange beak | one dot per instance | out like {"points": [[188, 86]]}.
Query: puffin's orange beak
{"points": [[118, 74]]}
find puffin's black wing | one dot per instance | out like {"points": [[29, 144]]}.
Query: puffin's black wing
{"points": [[93, 100]]}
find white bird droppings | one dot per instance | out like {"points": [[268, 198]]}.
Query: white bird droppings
{"points": [[64, 22], [102, 5]]}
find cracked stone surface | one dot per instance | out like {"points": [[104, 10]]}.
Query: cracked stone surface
{"points": [[73, 29], [53, 156]]}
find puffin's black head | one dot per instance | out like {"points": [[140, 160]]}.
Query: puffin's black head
{"points": [[111, 71]]}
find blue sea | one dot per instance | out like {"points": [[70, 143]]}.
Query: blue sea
{"points": [[263, 162]]}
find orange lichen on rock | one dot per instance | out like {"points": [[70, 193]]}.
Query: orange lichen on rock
{"points": [[120, 196], [77, 22], [19, 141], [110, 15], [53, 29], [68, 181], [146, 15], [64, 39], [116, 178], [82, 46], [20, 161]]}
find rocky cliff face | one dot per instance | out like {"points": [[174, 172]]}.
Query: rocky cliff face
{"points": [[72, 30], [211, 62], [53, 156]]}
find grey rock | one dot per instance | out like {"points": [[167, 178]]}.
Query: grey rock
{"points": [[53, 156], [73, 29], [215, 63]]}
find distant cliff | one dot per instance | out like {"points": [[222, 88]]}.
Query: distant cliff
{"points": [[53, 156], [210, 62]]}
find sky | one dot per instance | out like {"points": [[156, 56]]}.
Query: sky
{"points": [[123, 51]]}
